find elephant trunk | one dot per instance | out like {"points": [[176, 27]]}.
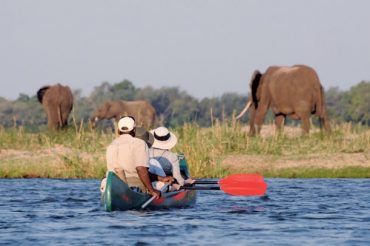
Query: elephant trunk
{"points": [[249, 103]]}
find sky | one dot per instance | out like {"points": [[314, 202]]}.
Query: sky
{"points": [[204, 47]]}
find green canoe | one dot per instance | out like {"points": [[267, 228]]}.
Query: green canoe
{"points": [[119, 196]]}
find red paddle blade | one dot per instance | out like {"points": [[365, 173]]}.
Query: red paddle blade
{"points": [[243, 185]]}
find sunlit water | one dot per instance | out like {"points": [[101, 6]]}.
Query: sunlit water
{"points": [[295, 212]]}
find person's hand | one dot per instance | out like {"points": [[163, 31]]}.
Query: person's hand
{"points": [[166, 179], [156, 194], [189, 181], [176, 186]]}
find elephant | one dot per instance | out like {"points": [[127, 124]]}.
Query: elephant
{"points": [[57, 101], [289, 91], [143, 112]]}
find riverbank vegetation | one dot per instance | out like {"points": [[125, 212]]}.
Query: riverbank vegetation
{"points": [[176, 107], [213, 145], [215, 151]]}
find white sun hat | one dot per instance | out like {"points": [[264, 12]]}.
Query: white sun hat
{"points": [[126, 124], [163, 138]]}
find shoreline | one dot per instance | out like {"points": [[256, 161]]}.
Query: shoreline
{"points": [[37, 164]]}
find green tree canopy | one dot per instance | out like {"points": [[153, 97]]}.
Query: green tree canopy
{"points": [[175, 107]]}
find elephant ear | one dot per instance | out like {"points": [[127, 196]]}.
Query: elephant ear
{"points": [[41, 93], [255, 81]]}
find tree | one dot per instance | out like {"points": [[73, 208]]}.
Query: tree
{"points": [[357, 103], [23, 98], [335, 104], [176, 107]]}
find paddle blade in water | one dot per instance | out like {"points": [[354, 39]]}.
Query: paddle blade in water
{"points": [[243, 185]]}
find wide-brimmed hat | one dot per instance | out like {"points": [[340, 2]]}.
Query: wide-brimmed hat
{"points": [[143, 134], [126, 124], [163, 138]]}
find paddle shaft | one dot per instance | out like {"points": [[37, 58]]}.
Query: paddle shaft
{"points": [[153, 197], [235, 184], [206, 181], [200, 188]]}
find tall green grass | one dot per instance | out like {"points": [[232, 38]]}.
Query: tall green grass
{"points": [[79, 152], [206, 148]]}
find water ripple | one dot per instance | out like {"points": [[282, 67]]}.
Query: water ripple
{"points": [[294, 212]]}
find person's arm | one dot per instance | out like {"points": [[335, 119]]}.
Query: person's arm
{"points": [[164, 179], [144, 177], [176, 170]]}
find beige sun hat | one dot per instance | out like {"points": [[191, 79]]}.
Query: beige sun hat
{"points": [[163, 138], [143, 134], [126, 124]]}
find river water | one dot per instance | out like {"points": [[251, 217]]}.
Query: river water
{"points": [[294, 212]]}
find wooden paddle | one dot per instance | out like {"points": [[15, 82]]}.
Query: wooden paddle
{"points": [[235, 184], [152, 198]]}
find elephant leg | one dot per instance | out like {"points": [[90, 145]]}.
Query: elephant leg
{"points": [[59, 117], [279, 122], [252, 129], [260, 116], [324, 122], [305, 125], [65, 112], [53, 122]]}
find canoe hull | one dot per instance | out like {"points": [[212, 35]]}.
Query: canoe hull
{"points": [[118, 196]]}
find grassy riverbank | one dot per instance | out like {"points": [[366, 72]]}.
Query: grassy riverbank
{"points": [[210, 152]]}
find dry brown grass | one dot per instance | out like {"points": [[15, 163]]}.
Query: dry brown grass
{"points": [[53, 162], [255, 163], [321, 160]]}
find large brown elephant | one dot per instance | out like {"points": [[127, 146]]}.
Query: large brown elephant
{"points": [[289, 91], [57, 101], [143, 112]]}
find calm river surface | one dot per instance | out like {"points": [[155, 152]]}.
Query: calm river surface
{"points": [[295, 212]]}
